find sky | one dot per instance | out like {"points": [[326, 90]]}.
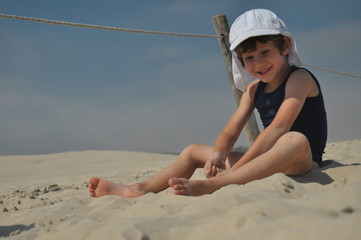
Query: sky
{"points": [[72, 89]]}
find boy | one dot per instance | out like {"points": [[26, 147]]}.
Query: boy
{"points": [[291, 108]]}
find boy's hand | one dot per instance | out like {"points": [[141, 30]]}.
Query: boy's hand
{"points": [[215, 165]]}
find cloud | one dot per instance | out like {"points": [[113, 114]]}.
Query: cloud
{"points": [[335, 47], [184, 6], [181, 102], [160, 53], [18, 52]]}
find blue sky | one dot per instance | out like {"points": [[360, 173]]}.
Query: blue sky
{"points": [[70, 89]]}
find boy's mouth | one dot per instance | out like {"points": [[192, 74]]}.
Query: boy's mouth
{"points": [[264, 71]]}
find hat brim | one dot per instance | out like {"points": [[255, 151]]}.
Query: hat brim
{"points": [[253, 33]]}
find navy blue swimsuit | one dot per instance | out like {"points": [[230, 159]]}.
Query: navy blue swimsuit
{"points": [[311, 121]]}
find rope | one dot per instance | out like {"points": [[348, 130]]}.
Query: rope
{"points": [[332, 71], [82, 25]]}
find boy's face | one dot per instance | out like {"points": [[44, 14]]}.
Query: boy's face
{"points": [[266, 62]]}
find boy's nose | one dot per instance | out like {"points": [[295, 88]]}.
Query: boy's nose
{"points": [[258, 62]]}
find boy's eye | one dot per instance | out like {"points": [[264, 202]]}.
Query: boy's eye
{"points": [[265, 52], [248, 58]]}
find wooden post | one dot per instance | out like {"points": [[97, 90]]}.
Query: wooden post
{"points": [[221, 27]]}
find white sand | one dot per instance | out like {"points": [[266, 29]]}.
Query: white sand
{"points": [[45, 197]]}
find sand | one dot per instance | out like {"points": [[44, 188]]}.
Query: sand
{"points": [[46, 197]]}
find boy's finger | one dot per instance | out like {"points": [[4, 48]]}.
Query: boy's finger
{"points": [[214, 170], [207, 168]]}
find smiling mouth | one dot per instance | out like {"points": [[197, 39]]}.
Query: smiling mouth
{"points": [[264, 71]]}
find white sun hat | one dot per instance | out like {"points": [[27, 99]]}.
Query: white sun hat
{"points": [[256, 22]]}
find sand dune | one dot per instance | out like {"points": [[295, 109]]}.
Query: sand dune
{"points": [[45, 197]]}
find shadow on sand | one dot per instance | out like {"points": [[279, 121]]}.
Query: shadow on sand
{"points": [[7, 231], [319, 175]]}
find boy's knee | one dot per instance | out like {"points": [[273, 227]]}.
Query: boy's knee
{"points": [[196, 154], [295, 139], [297, 145], [190, 149]]}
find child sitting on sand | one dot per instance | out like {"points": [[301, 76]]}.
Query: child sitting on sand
{"points": [[288, 99]]}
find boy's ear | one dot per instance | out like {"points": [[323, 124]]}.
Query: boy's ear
{"points": [[288, 44]]}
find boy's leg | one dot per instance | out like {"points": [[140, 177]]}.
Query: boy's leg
{"points": [[194, 156], [291, 155]]}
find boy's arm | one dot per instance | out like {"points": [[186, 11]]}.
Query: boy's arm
{"points": [[226, 139], [299, 86]]}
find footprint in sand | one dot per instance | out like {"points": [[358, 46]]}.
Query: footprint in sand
{"points": [[285, 185], [20, 199]]}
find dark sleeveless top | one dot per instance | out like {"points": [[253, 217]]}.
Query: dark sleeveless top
{"points": [[311, 121]]}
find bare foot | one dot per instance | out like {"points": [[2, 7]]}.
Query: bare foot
{"points": [[182, 186], [100, 187]]}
